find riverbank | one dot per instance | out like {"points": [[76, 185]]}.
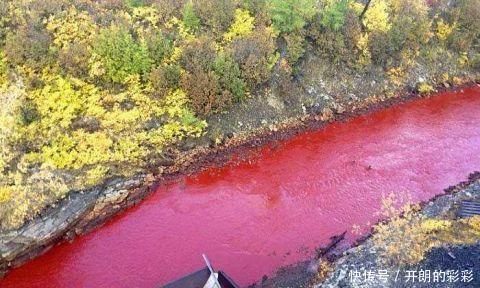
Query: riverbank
{"points": [[83, 211], [368, 256], [335, 268]]}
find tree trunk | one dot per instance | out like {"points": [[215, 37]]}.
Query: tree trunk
{"points": [[362, 15]]}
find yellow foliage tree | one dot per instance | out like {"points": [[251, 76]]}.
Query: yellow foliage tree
{"points": [[444, 30], [242, 26], [71, 26], [377, 17]]}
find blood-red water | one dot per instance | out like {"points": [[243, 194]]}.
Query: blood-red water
{"points": [[253, 218]]}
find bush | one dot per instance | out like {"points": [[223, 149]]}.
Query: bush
{"points": [[242, 26], [290, 15], [190, 19], [135, 3], [159, 46], [334, 13], [336, 32], [255, 55], [119, 55], [217, 15], [74, 59], [397, 30], [475, 62], [198, 53], [167, 9], [3, 69], [444, 30], [377, 17], [411, 26], [165, 78], [425, 88], [295, 46], [28, 46], [203, 90], [467, 15], [286, 86], [229, 76], [211, 89], [63, 146], [381, 48], [3, 23]]}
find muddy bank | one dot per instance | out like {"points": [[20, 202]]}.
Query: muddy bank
{"points": [[362, 255], [83, 211]]}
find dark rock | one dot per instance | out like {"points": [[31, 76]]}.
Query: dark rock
{"points": [[188, 144]]}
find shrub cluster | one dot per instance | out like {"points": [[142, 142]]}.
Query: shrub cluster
{"points": [[409, 235]]}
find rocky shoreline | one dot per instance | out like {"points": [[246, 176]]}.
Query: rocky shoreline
{"points": [[83, 211], [362, 255], [459, 257]]}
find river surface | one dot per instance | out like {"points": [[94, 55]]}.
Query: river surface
{"points": [[253, 218]]}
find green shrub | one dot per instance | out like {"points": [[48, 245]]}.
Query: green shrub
{"points": [[159, 46], [290, 15], [229, 76], [334, 13], [190, 18], [120, 55], [295, 46]]}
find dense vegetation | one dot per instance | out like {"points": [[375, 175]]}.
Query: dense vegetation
{"points": [[409, 235], [92, 89]]}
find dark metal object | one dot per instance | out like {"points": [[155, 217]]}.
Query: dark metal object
{"points": [[199, 278], [468, 208], [212, 272]]}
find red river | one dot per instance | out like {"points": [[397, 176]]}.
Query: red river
{"points": [[252, 218]]}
